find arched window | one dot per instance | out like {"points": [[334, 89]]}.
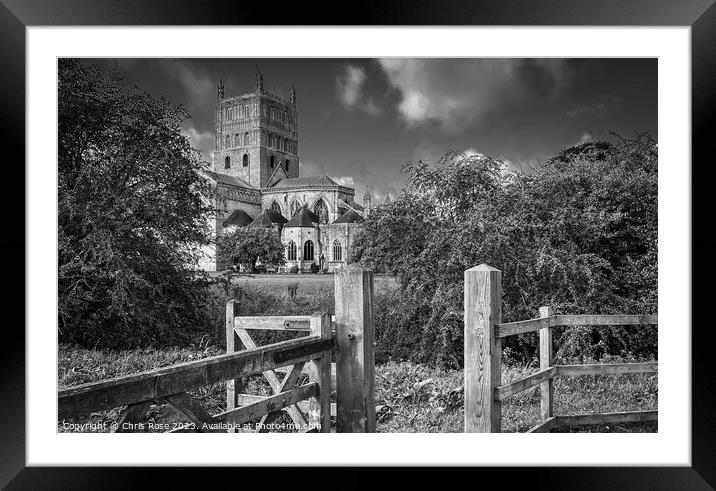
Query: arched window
{"points": [[227, 162], [237, 142], [227, 141], [275, 206], [272, 161], [245, 160], [294, 207], [337, 251], [246, 139], [321, 210], [246, 111], [308, 251], [287, 162], [291, 252]]}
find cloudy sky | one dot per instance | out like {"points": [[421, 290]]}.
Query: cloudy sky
{"points": [[361, 119]]}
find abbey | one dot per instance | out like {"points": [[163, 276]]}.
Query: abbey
{"points": [[256, 174]]}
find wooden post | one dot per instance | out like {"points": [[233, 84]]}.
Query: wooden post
{"points": [[483, 352], [232, 386], [319, 407], [545, 361], [355, 357]]}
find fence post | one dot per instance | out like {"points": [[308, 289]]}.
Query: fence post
{"points": [[546, 389], [319, 407], [355, 357], [232, 386], [483, 351]]}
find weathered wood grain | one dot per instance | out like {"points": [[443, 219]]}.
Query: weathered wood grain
{"points": [[604, 320], [190, 408], [155, 384], [546, 388], [532, 380], [604, 418], [275, 323], [233, 386], [319, 411], [272, 378], [521, 327], [534, 325], [253, 412], [483, 350], [355, 358], [606, 369], [544, 426], [288, 383]]}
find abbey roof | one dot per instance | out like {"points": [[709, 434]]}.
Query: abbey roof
{"points": [[303, 218], [305, 181], [351, 216], [268, 218], [238, 217], [230, 180]]}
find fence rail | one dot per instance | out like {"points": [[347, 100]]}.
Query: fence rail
{"points": [[484, 332], [164, 382], [534, 325]]}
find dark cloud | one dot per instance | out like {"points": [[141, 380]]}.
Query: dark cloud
{"points": [[361, 119]]}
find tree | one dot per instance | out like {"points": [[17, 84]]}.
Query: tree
{"points": [[244, 245], [132, 212], [579, 234]]}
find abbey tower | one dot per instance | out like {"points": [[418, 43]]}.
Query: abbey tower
{"points": [[254, 134], [257, 184]]}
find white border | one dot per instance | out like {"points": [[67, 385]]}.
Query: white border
{"points": [[670, 446]]}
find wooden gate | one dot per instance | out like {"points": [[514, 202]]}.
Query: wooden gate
{"points": [[349, 337]]}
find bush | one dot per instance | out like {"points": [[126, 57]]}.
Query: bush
{"points": [[578, 234], [293, 269], [314, 268], [132, 210]]}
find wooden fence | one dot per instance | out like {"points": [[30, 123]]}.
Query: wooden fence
{"points": [[349, 337], [484, 332]]}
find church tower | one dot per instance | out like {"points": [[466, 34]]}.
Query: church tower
{"points": [[255, 133]]}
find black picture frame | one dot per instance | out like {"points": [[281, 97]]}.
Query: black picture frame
{"points": [[16, 15]]}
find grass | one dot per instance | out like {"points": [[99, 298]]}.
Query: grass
{"points": [[409, 397]]}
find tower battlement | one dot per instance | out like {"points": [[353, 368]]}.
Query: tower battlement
{"points": [[255, 132]]}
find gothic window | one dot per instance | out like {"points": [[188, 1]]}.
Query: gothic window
{"points": [[246, 111], [321, 210], [291, 251], [294, 207], [275, 206], [227, 162], [287, 162], [246, 138], [308, 251], [245, 160], [337, 251], [227, 141], [273, 161], [237, 142]]}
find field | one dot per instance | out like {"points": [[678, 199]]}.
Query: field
{"points": [[409, 397], [308, 284]]}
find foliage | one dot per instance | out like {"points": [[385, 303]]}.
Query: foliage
{"points": [[314, 268], [580, 235], [244, 245], [132, 210], [409, 397], [293, 269]]}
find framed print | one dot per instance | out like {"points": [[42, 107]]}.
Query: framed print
{"points": [[447, 226]]}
